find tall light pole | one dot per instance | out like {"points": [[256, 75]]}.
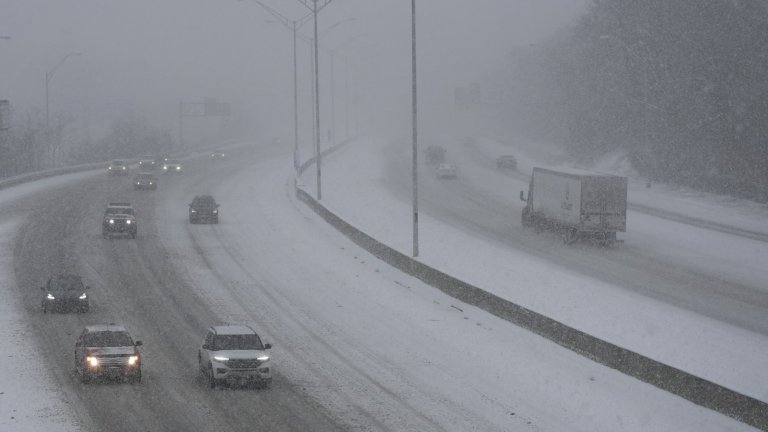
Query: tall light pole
{"points": [[293, 26], [48, 76], [318, 155], [415, 134]]}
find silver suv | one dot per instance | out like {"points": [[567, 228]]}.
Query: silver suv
{"points": [[234, 354], [107, 350]]}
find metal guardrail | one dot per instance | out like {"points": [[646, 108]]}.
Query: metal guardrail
{"points": [[700, 391]]}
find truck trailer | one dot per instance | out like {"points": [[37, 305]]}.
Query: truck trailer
{"points": [[578, 204]]}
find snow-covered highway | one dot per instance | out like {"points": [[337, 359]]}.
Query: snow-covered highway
{"points": [[358, 345]]}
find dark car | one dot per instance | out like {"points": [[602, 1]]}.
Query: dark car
{"points": [[506, 162], [64, 293], [434, 154], [203, 209], [145, 181], [218, 155], [108, 351], [119, 218], [147, 163]]}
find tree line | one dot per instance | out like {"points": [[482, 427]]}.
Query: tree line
{"points": [[680, 86]]}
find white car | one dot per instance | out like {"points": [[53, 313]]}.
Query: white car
{"points": [[234, 354], [445, 171]]}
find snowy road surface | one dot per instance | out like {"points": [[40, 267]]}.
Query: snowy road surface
{"points": [[358, 345]]}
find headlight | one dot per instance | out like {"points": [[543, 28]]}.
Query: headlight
{"points": [[92, 361], [262, 358], [109, 168], [150, 183], [194, 211], [138, 183], [215, 212], [112, 221], [165, 167], [83, 296], [132, 360], [123, 167], [50, 297], [178, 168], [220, 358], [128, 221]]}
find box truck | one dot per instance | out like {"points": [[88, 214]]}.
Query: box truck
{"points": [[578, 204]]}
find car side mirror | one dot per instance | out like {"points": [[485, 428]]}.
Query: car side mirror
{"points": [[268, 346], [206, 346], [522, 196], [138, 343]]}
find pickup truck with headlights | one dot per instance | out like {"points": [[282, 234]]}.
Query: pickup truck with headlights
{"points": [[119, 218]]}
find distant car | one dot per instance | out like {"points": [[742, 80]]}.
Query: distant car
{"points": [[445, 171], [203, 208], [118, 167], [434, 154], [172, 166], [108, 351], [65, 292], [143, 181], [147, 163], [119, 218], [234, 354], [506, 162], [218, 155]]}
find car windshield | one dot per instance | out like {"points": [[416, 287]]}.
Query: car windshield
{"points": [[144, 177], [119, 210], [66, 283], [204, 202], [107, 339], [118, 163], [172, 162], [237, 342]]}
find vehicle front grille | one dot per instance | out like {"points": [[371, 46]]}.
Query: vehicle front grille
{"points": [[113, 359], [243, 364]]}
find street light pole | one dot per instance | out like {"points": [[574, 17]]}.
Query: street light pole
{"points": [[48, 77], [317, 107], [415, 134]]}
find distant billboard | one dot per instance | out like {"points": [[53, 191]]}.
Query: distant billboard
{"points": [[5, 114]]}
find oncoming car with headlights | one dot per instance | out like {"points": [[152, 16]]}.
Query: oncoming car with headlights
{"points": [[108, 351], [234, 354], [65, 292], [119, 218], [172, 166], [118, 167]]}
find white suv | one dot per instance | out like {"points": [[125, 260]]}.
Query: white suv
{"points": [[236, 355]]}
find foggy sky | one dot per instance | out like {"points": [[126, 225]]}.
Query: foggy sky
{"points": [[146, 56]]}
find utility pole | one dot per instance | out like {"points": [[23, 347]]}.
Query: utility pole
{"points": [[415, 134]]}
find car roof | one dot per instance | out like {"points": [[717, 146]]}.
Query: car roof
{"points": [[96, 328], [118, 161], [119, 204], [172, 161], [233, 329]]}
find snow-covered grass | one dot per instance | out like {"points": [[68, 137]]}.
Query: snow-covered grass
{"points": [[702, 346], [29, 398]]}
